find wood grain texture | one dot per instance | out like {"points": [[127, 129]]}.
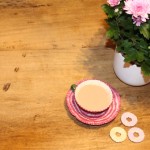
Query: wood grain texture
{"points": [[45, 46]]}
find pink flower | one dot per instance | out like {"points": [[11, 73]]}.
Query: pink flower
{"points": [[139, 9], [113, 3], [137, 20]]}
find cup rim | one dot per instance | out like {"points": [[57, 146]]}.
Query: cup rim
{"points": [[94, 82]]}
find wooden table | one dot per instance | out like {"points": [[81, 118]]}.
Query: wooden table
{"points": [[45, 46]]}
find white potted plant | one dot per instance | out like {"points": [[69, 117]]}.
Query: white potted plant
{"points": [[129, 28]]}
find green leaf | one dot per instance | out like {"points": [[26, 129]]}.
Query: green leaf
{"points": [[112, 23], [118, 48], [73, 87], [112, 34], [108, 10], [125, 22], [126, 44], [146, 69], [145, 30], [131, 57], [143, 43], [140, 56]]}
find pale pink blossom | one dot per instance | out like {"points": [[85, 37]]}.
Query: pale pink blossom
{"points": [[113, 3], [139, 9], [137, 20]]}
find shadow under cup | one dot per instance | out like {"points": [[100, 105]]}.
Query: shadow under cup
{"points": [[93, 95]]}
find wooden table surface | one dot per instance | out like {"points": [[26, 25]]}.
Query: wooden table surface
{"points": [[45, 46]]}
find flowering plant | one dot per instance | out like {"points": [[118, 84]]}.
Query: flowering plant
{"points": [[129, 28]]}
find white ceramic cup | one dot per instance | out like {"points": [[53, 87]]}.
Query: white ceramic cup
{"points": [[93, 95]]}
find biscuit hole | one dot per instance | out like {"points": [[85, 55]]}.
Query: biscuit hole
{"points": [[118, 134], [129, 119], [136, 134]]}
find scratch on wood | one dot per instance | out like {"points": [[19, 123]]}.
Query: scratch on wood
{"points": [[55, 46], [16, 69], [36, 116], [6, 87], [15, 13], [30, 22], [49, 4], [84, 46], [24, 55]]}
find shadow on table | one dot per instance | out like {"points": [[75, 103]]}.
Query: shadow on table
{"points": [[98, 57]]}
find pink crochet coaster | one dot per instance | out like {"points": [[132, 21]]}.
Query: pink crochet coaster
{"points": [[90, 117]]}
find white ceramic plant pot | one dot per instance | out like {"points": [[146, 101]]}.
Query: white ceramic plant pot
{"points": [[128, 73]]}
